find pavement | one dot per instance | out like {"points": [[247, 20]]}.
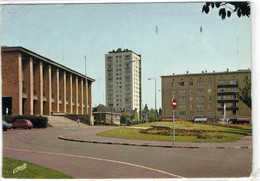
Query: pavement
{"points": [[81, 135]]}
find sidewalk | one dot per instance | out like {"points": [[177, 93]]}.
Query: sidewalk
{"points": [[90, 136]]}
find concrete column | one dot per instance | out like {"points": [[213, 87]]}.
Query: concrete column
{"points": [[87, 102], [77, 95], [64, 93], [89, 98], [30, 97], [20, 85], [82, 96], [71, 94], [57, 96], [49, 90]]}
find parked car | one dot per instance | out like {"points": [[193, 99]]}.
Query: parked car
{"points": [[22, 123], [6, 125]]}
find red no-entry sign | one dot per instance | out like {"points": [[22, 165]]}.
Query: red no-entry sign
{"points": [[174, 103]]}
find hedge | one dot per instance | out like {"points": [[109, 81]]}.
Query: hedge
{"points": [[37, 121]]}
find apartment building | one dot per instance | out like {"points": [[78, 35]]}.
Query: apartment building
{"points": [[123, 80], [35, 85], [205, 95]]}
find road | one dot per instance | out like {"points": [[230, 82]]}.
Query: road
{"points": [[88, 160]]}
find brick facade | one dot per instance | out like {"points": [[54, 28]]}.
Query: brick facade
{"points": [[35, 85]]}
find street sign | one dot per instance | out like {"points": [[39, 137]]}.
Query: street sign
{"points": [[174, 104]]}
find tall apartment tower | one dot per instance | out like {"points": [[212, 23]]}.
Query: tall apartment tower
{"points": [[123, 80]]}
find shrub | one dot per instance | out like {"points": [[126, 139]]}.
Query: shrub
{"points": [[37, 121]]}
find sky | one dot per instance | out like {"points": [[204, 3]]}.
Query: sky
{"points": [[66, 33]]}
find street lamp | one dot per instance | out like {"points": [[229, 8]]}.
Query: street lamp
{"points": [[155, 96]]}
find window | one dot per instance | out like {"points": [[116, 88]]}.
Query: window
{"points": [[209, 91], [182, 106], [182, 91], [191, 98], [233, 82], [181, 84], [191, 83], [190, 91], [209, 105], [200, 113], [221, 90], [173, 84], [221, 82], [191, 113], [200, 83], [209, 113], [173, 92], [233, 89], [209, 97], [200, 106], [200, 98], [182, 113], [182, 99], [209, 82], [200, 91], [191, 106]]}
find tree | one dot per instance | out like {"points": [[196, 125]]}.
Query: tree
{"points": [[126, 118], [227, 8], [244, 94], [160, 112], [145, 110]]}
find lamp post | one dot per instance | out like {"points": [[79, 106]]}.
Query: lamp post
{"points": [[155, 96]]}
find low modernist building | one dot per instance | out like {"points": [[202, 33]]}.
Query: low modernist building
{"points": [[104, 114], [205, 95], [35, 85]]}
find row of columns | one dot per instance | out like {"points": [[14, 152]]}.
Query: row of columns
{"points": [[45, 89]]}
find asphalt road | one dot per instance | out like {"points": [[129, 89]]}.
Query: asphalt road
{"points": [[88, 160]]}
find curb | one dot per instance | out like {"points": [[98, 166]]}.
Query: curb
{"points": [[162, 146]]}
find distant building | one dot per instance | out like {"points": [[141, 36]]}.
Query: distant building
{"points": [[123, 80], [204, 95], [35, 85], [103, 114]]}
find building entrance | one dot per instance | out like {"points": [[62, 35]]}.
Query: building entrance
{"points": [[6, 105]]}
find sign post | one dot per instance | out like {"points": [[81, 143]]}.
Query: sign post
{"points": [[174, 105]]}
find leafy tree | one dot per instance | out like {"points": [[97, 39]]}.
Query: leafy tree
{"points": [[145, 110], [136, 115], [227, 8], [126, 118], [244, 93], [160, 112], [152, 115]]}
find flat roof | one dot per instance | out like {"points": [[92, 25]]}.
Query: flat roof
{"points": [[209, 73], [119, 50], [26, 51]]}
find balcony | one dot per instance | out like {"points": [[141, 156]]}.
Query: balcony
{"points": [[231, 108], [227, 100], [227, 85], [222, 93]]}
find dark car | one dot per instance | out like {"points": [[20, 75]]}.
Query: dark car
{"points": [[6, 125], [22, 123]]}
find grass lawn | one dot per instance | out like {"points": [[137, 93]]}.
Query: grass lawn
{"points": [[184, 132], [21, 169]]}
